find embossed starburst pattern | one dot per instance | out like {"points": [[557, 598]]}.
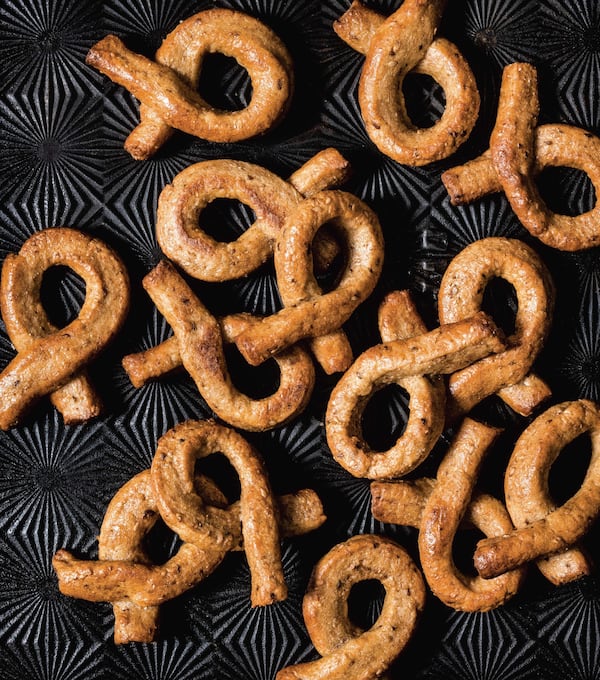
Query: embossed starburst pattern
{"points": [[62, 162]]}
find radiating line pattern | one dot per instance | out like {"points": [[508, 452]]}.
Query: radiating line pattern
{"points": [[504, 30], [51, 158], [43, 46], [579, 365], [31, 608], [571, 47], [569, 626], [256, 642], [492, 645], [53, 481], [167, 660], [62, 162], [69, 660]]}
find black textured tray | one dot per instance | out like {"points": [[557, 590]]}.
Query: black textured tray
{"points": [[62, 128]]}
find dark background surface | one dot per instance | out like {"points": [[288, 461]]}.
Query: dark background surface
{"points": [[62, 127]]}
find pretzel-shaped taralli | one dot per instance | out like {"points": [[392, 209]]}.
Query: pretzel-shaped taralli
{"points": [[308, 313], [461, 295], [544, 529], [166, 87], [527, 496], [49, 360], [124, 574], [442, 350], [405, 42], [347, 651], [403, 502], [398, 320], [519, 151], [213, 528], [271, 198], [199, 343], [442, 516]]}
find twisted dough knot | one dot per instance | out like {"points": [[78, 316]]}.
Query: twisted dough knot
{"points": [[308, 312], [254, 521], [272, 199], [273, 202], [439, 507], [198, 345], [51, 360], [519, 151], [461, 295], [405, 42], [124, 573], [412, 358], [166, 87], [347, 651], [543, 529]]}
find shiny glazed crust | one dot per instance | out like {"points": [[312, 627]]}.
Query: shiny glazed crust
{"points": [[519, 151], [543, 528], [308, 312], [166, 87], [199, 347], [393, 47]]}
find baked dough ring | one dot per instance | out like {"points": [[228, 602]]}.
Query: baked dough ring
{"points": [[393, 47], [271, 198], [441, 518], [403, 502], [348, 652], [166, 88], [211, 527], [49, 359], [398, 320], [308, 313], [461, 295], [519, 151], [198, 345], [544, 529], [124, 573], [442, 350]]}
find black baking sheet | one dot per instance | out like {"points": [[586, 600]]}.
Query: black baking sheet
{"points": [[62, 127]]}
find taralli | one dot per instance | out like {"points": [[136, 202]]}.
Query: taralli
{"points": [[405, 42], [403, 502], [461, 295], [308, 312], [50, 360], [347, 651], [544, 529], [519, 151], [440, 351], [124, 574], [198, 345], [398, 320], [526, 482], [441, 518], [215, 528], [167, 87], [180, 205]]}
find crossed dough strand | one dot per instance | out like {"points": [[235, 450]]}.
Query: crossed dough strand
{"points": [[166, 87], [49, 360]]}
